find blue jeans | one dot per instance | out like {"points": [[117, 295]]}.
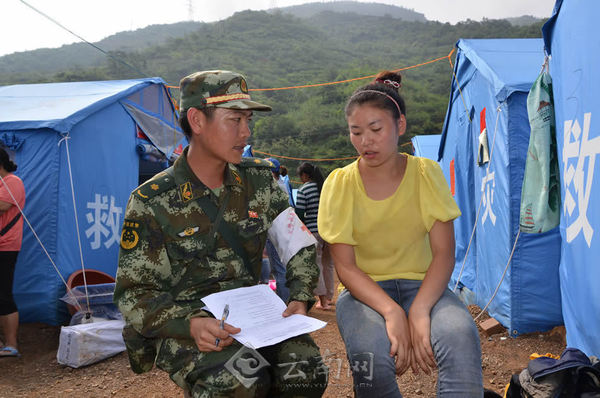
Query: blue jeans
{"points": [[454, 340], [265, 271], [278, 270]]}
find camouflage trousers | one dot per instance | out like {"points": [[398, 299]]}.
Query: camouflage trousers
{"points": [[292, 368]]}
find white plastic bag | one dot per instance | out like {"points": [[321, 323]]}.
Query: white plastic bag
{"points": [[88, 343]]}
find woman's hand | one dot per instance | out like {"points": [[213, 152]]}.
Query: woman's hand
{"points": [[398, 332], [419, 322], [206, 331]]}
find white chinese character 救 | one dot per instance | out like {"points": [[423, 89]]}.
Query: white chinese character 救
{"points": [[105, 219]]}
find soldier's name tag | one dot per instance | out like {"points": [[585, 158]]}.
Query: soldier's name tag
{"points": [[188, 232]]}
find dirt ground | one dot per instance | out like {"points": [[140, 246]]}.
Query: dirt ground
{"points": [[37, 373]]}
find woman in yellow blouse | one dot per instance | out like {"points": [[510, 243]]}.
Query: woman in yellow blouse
{"points": [[388, 217]]}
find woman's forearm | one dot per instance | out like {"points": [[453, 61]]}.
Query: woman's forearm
{"points": [[441, 267]]}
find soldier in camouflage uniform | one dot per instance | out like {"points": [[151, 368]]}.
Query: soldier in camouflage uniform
{"points": [[172, 255]]}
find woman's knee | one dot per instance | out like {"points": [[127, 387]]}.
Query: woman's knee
{"points": [[361, 327], [455, 339]]}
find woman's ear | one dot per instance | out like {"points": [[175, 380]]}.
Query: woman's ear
{"points": [[401, 125]]}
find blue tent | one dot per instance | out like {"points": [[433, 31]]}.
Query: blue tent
{"points": [[75, 147], [488, 98], [426, 146], [570, 38]]}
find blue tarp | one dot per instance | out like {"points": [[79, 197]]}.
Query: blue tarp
{"points": [[571, 37], [495, 76], [426, 146], [80, 132]]}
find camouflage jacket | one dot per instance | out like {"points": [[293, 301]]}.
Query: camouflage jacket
{"points": [[168, 261]]}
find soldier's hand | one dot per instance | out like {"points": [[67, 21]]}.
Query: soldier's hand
{"points": [[206, 331], [295, 307]]}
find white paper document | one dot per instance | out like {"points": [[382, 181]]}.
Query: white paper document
{"points": [[257, 311]]}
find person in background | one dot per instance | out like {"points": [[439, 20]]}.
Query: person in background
{"points": [[283, 171], [307, 208], [12, 200], [280, 176], [198, 228], [265, 270], [389, 219]]}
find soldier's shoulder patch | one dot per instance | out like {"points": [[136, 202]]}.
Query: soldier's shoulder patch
{"points": [[130, 235], [255, 162], [156, 185]]}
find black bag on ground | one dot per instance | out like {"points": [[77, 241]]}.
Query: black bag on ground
{"points": [[573, 375]]}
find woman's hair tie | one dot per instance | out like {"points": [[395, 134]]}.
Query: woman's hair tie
{"points": [[389, 82]]}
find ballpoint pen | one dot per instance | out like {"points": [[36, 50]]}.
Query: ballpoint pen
{"points": [[222, 325]]}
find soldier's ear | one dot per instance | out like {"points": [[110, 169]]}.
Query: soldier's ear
{"points": [[197, 119]]}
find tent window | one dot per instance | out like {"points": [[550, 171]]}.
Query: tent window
{"points": [[155, 99], [166, 138]]}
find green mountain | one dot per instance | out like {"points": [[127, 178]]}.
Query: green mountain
{"points": [[309, 10], [525, 20], [277, 50]]}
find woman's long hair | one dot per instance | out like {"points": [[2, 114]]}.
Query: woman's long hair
{"points": [[5, 161], [313, 172]]}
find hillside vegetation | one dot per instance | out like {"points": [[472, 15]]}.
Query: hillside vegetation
{"points": [[278, 49]]}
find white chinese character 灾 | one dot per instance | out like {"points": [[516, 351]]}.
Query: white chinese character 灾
{"points": [[579, 147], [488, 197]]}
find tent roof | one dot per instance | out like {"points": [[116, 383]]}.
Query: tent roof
{"points": [[548, 28], [508, 64], [59, 106]]}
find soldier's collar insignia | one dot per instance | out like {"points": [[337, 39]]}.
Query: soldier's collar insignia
{"points": [[252, 214], [139, 192], [186, 191], [130, 236], [257, 161], [188, 231], [237, 177], [154, 187]]}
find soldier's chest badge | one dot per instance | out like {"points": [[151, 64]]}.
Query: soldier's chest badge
{"points": [[186, 191], [252, 214], [130, 236], [188, 232]]}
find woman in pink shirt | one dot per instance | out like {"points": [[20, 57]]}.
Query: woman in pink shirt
{"points": [[12, 200]]}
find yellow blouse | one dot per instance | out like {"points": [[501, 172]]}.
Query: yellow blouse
{"points": [[390, 236]]}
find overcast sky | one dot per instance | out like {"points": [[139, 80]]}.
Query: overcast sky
{"points": [[23, 29]]}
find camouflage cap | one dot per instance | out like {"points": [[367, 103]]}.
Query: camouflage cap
{"points": [[217, 88]]}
